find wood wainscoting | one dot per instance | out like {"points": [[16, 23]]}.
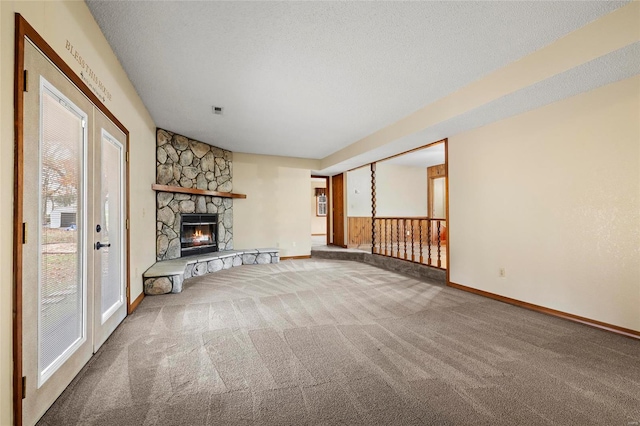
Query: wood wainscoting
{"points": [[359, 229]]}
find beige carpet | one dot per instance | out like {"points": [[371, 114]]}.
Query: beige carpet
{"points": [[334, 342]]}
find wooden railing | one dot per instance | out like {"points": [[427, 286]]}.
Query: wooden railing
{"points": [[417, 239]]}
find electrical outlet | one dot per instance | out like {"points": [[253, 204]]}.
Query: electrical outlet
{"points": [[293, 244], [503, 272]]}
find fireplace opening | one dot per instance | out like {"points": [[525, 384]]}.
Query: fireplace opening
{"points": [[198, 234]]}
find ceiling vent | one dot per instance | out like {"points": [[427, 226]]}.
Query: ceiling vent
{"points": [[218, 110]]}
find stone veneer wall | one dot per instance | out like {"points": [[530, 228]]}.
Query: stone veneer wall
{"points": [[187, 163]]}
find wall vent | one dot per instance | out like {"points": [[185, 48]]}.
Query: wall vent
{"points": [[218, 110]]}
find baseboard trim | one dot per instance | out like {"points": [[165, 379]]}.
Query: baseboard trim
{"points": [[627, 332], [133, 306], [306, 256]]}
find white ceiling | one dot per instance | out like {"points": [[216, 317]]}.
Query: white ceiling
{"points": [[615, 66], [305, 79], [431, 156]]}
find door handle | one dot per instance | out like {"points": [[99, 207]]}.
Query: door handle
{"points": [[99, 245]]}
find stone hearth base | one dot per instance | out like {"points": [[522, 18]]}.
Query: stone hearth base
{"points": [[167, 276]]}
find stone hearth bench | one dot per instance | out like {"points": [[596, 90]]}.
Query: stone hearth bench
{"points": [[167, 276]]}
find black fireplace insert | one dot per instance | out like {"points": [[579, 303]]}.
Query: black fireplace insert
{"points": [[198, 234]]}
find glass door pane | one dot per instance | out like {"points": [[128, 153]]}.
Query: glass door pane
{"points": [[112, 233], [62, 309]]}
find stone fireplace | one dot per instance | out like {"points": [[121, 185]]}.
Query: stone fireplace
{"points": [[194, 215], [185, 163], [198, 234]]}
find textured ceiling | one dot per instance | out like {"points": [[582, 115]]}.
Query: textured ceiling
{"points": [[431, 156], [305, 79], [615, 66]]}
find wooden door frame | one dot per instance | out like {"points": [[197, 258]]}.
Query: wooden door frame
{"points": [[326, 180], [446, 206], [24, 30], [434, 172], [333, 219]]}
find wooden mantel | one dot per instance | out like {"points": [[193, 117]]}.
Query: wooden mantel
{"points": [[195, 191]]}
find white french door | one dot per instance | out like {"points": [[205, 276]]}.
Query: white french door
{"points": [[109, 260], [74, 256]]}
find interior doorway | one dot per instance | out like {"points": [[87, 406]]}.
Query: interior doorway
{"points": [[410, 202], [437, 183], [437, 199], [319, 211]]}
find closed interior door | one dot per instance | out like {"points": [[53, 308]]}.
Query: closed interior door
{"points": [[337, 186], [73, 295]]}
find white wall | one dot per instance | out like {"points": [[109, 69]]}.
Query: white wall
{"points": [[276, 210], [359, 204], [552, 195], [58, 22], [401, 191]]}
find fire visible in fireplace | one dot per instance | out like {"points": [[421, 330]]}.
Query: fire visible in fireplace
{"points": [[198, 234], [199, 237]]}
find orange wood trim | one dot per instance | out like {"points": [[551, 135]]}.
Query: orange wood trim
{"points": [[194, 191], [338, 210], [306, 256], [18, 111], [373, 208], [128, 221], [402, 153], [571, 317], [326, 179], [329, 211], [317, 235], [411, 217], [446, 197], [33, 35], [359, 167], [434, 172], [392, 231], [24, 30], [414, 149], [437, 171], [132, 307], [328, 224]]}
